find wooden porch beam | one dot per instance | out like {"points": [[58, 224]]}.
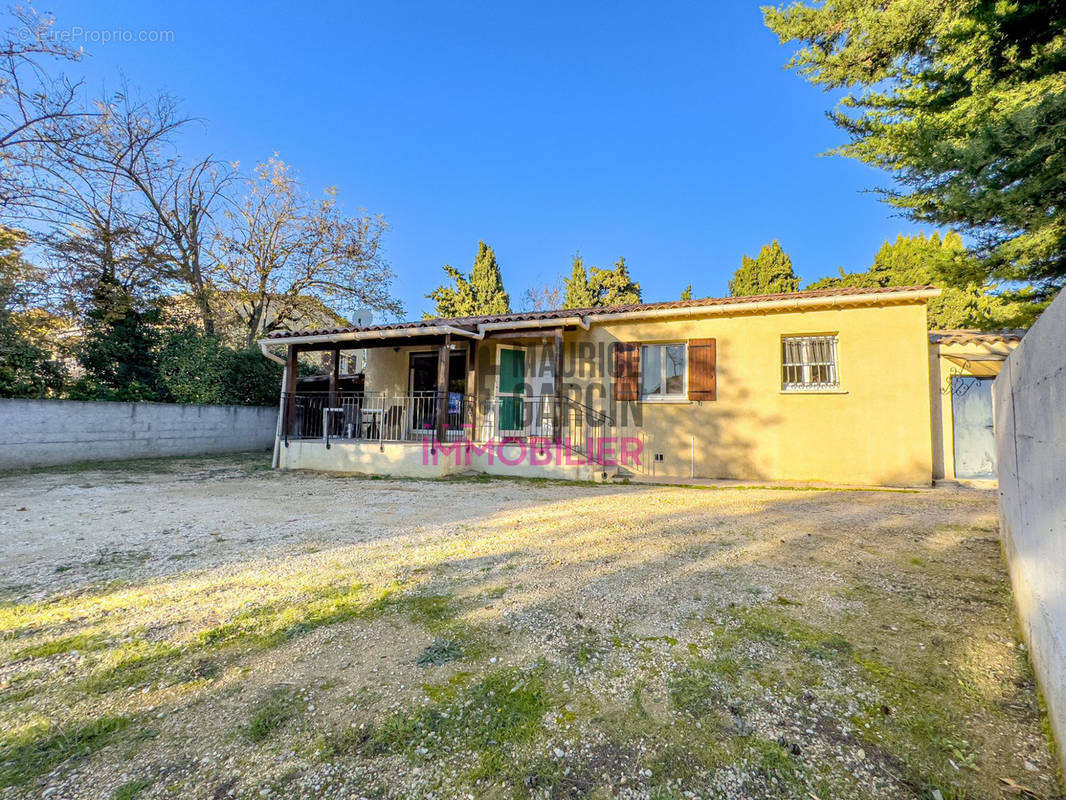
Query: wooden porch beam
{"points": [[539, 334], [369, 344], [470, 401], [443, 358], [557, 428], [471, 369], [291, 370], [334, 375]]}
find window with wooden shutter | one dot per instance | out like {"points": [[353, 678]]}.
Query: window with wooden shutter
{"points": [[627, 371], [702, 373]]}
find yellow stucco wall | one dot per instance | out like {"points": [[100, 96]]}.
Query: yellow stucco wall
{"points": [[875, 429], [386, 370], [943, 364]]}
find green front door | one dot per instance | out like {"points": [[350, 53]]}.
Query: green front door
{"points": [[511, 391]]}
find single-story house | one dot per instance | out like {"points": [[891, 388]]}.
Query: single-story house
{"points": [[837, 385]]}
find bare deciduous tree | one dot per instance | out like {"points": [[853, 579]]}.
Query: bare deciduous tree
{"points": [[280, 247], [38, 111], [544, 298], [124, 183]]}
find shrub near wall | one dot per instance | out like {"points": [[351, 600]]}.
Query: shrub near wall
{"points": [[194, 368]]}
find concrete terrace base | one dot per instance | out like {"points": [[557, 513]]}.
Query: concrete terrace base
{"points": [[415, 460]]}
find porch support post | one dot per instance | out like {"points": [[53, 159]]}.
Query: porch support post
{"points": [[290, 388], [557, 428], [442, 386], [334, 376], [470, 401]]}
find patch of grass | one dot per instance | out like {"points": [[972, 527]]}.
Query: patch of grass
{"points": [[131, 790], [40, 749], [271, 712], [430, 610], [437, 613], [587, 647], [925, 725], [440, 652], [770, 759], [777, 627], [16, 687], [270, 625], [698, 688], [502, 708], [493, 593], [83, 643], [134, 664], [448, 690]]}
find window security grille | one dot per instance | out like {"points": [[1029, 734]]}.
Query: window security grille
{"points": [[809, 362]]}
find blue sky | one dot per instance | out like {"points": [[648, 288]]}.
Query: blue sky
{"points": [[668, 133]]}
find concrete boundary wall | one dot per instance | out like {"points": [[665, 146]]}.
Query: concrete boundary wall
{"points": [[36, 433], [1030, 408]]}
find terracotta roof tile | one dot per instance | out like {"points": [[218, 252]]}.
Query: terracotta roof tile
{"points": [[471, 323], [972, 335]]}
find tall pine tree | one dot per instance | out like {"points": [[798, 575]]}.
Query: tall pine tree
{"points": [[962, 103], [614, 287], [480, 293], [919, 260], [769, 273], [579, 293]]}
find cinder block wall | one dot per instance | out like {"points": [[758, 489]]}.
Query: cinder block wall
{"points": [[1030, 397], [36, 433]]}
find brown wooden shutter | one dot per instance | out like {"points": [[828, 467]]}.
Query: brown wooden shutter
{"points": [[702, 376], [627, 371]]}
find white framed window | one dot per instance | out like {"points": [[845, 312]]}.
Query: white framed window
{"points": [[809, 362], [664, 371]]}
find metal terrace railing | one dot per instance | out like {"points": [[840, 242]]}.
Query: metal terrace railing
{"points": [[351, 416], [370, 417]]}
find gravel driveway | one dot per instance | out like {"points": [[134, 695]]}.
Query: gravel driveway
{"points": [[208, 628]]}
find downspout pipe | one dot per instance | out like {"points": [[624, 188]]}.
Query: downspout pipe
{"points": [[276, 459], [273, 357]]}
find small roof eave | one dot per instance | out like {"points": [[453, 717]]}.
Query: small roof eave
{"points": [[372, 335]]}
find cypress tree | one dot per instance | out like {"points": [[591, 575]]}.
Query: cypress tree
{"points": [[480, 293], [614, 287], [579, 293], [769, 273], [487, 283]]}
